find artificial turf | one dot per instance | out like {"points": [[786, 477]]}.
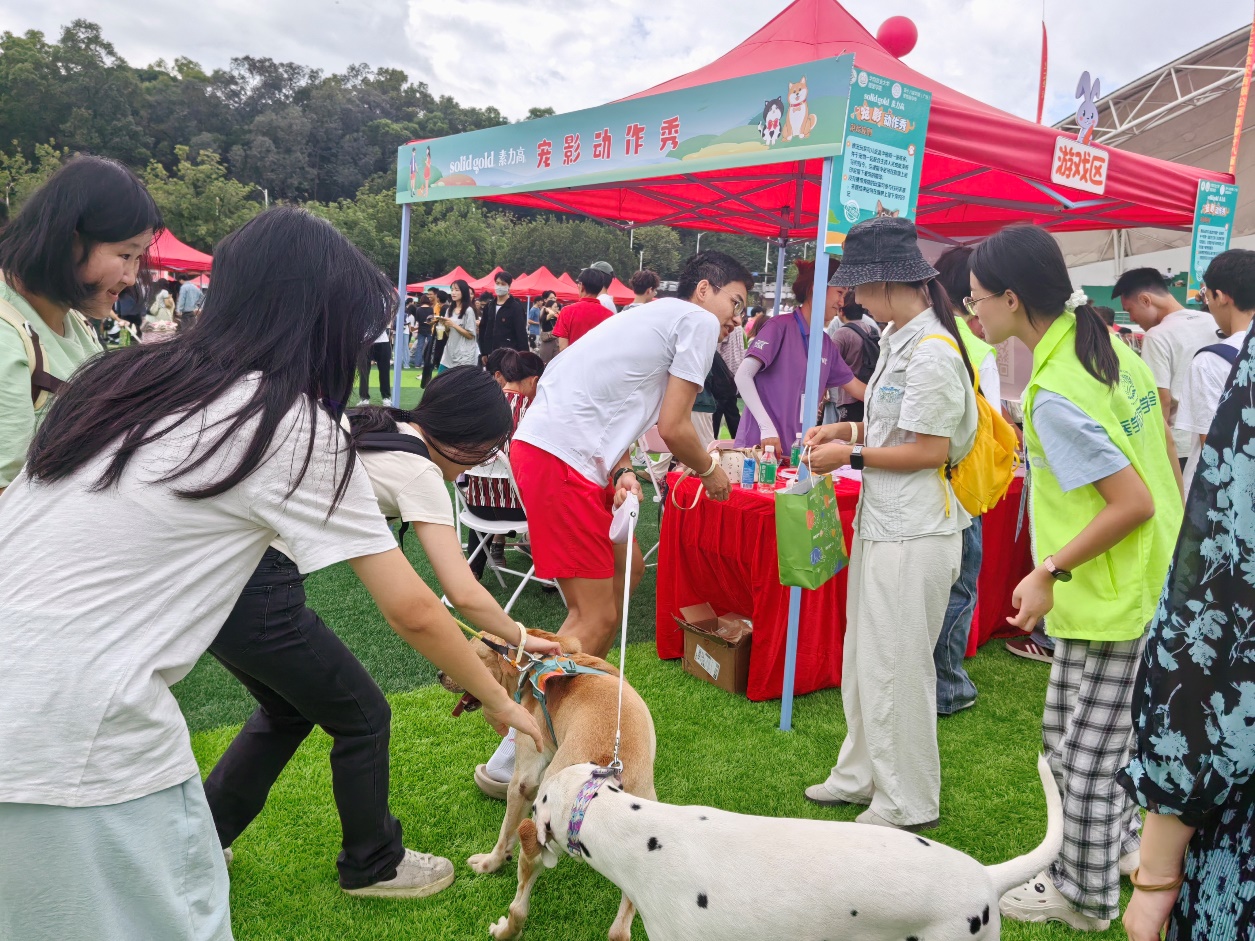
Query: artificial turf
{"points": [[713, 749]]}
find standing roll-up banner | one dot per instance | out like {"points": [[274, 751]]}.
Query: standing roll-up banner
{"points": [[1214, 212], [882, 158]]}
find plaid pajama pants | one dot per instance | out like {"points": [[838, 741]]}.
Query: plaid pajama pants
{"points": [[1087, 730]]}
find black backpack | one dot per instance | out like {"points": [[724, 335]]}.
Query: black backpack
{"points": [[720, 383], [390, 441], [871, 351], [1223, 350]]}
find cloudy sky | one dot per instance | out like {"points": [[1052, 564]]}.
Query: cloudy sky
{"points": [[572, 54]]}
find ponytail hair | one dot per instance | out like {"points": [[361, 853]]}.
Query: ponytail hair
{"points": [[1027, 261], [514, 365], [463, 416], [805, 279]]}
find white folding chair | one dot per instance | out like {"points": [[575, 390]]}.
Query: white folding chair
{"points": [[651, 443], [487, 529]]}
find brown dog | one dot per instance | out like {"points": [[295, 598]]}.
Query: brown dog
{"points": [[583, 709]]}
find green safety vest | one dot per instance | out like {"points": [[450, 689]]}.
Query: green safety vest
{"points": [[977, 349], [1112, 597]]}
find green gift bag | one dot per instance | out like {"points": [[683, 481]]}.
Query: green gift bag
{"points": [[809, 541]]}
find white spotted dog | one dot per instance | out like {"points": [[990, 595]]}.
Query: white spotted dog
{"points": [[698, 874], [582, 709]]}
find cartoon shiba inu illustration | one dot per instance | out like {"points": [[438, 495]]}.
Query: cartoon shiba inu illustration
{"points": [[800, 121], [773, 118]]}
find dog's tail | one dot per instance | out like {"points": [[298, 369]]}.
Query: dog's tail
{"points": [[1006, 876]]}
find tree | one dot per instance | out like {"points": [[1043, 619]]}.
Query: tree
{"points": [[663, 251], [198, 202], [534, 113], [19, 177]]}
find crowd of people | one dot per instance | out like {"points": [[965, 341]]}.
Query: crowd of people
{"points": [[223, 464]]}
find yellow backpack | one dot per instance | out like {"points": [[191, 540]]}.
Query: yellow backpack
{"points": [[982, 478]]}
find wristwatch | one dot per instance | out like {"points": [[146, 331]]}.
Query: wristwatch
{"points": [[856, 457], [1058, 574]]}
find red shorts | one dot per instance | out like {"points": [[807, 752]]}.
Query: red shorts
{"points": [[568, 516]]}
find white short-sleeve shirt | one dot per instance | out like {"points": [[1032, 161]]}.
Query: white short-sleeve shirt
{"points": [[1203, 388], [90, 655], [601, 394], [1168, 349]]}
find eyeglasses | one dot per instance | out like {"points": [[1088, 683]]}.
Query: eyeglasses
{"points": [[738, 304], [969, 303]]}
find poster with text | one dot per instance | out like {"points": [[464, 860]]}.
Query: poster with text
{"points": [[884, 153], [1214, 212], [784, 115]]}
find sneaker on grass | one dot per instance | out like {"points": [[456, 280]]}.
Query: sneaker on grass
{"points": [[874, 819], [1039, 901], [1029, 649], [418, 876], [387, 401]]}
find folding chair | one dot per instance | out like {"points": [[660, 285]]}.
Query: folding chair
{"points": [[487, 529], [651, 442]]}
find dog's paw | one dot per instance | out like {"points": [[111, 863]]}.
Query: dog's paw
{"points": [[484, 863], [503, 930]]}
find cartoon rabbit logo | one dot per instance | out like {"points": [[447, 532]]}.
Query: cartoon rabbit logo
{"points": [[1087, 113]]}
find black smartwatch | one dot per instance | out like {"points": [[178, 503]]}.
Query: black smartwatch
{"points": [[1058, 574], [614, 481], [856, 457]]}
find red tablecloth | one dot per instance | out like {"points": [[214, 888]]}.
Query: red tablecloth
{"points": [[725, 554]]}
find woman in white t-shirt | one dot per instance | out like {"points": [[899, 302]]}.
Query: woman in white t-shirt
{"points": [[187, 459], [463, 346]]}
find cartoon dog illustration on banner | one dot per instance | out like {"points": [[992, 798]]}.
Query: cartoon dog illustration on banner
{"points": [[800, 122]]}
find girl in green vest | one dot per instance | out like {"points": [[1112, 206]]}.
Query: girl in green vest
{"points": [[1105, 510]]}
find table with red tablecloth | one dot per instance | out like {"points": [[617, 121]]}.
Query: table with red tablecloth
{"points": [[725, 554]]}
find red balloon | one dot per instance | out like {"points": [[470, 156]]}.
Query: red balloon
{"points": [[897, 35]]}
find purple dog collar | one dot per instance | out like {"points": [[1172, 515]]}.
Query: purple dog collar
{"points": [[580, 807]]}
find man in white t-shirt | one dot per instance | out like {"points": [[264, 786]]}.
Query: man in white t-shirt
{"points": [[570, 454], [604, 297], [1173, 335], [1230, 294]]}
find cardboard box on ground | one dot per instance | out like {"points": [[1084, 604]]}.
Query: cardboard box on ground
{"points": [[717, 647]]}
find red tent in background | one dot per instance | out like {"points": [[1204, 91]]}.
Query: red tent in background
{"points": [[620, 293], [540, 281], [168, 253], [444, 281], [487, 281], [569, 285], [983, 168]]}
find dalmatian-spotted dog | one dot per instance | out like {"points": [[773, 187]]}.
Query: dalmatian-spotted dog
{"points": [[698, 874]]}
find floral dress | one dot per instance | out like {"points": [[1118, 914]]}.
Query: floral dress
{"points": [[1194, 700]]}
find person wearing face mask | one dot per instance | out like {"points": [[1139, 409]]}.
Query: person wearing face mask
{"points": [[504, 322], [76, 245], [773, 373]]}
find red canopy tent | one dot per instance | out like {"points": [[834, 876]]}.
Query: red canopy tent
{"points": [[458, 273], [540, 281], [487, 281], [620, 293], [168, 253], [983, 168], [569, 286]]}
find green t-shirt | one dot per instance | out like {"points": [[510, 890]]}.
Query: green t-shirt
{"points": [[62, 355]]}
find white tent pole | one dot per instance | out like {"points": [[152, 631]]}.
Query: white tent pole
{"points": [[810, 409], [400, 346], [779, 278]]}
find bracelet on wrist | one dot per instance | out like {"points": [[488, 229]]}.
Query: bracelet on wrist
{"points": [[853, 432], [1164, 887], [714, 462], [614, 480]]}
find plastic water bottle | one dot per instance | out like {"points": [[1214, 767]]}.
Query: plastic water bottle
{"points": [[767, 470], [795, 458]]}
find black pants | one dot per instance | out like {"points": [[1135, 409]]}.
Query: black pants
{"points": [[381, 355], [432, 356], [301, 674], [728, 411], [473, 537]]}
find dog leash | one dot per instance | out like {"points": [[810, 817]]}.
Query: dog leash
{"points": [[630, 510]]}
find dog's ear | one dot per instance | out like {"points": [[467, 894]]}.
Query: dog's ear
{"points": [[542, 823]]}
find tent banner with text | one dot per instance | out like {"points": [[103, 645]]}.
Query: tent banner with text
{"points": [[883, 155], [790, 114], [1213, 227]]}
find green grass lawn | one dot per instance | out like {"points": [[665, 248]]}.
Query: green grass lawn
{"points": [[713, 749]]}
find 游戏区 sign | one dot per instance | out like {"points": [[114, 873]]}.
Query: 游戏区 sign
{"points": [[790, 114], [1079, 166]]}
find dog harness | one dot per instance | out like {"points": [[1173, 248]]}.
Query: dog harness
{"points": [[580, 807], [540, 671]]}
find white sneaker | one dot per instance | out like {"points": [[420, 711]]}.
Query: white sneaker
{"points": [[418, 876], [1129, 862], [870, 816], [1039, 901], [387, 402], [363, 403]]}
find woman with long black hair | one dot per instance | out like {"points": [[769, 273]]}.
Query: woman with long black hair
{"points": [[1105, 508], [302, 674], [186, 458], [921, 414], [461, 321], [77, 244]]}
